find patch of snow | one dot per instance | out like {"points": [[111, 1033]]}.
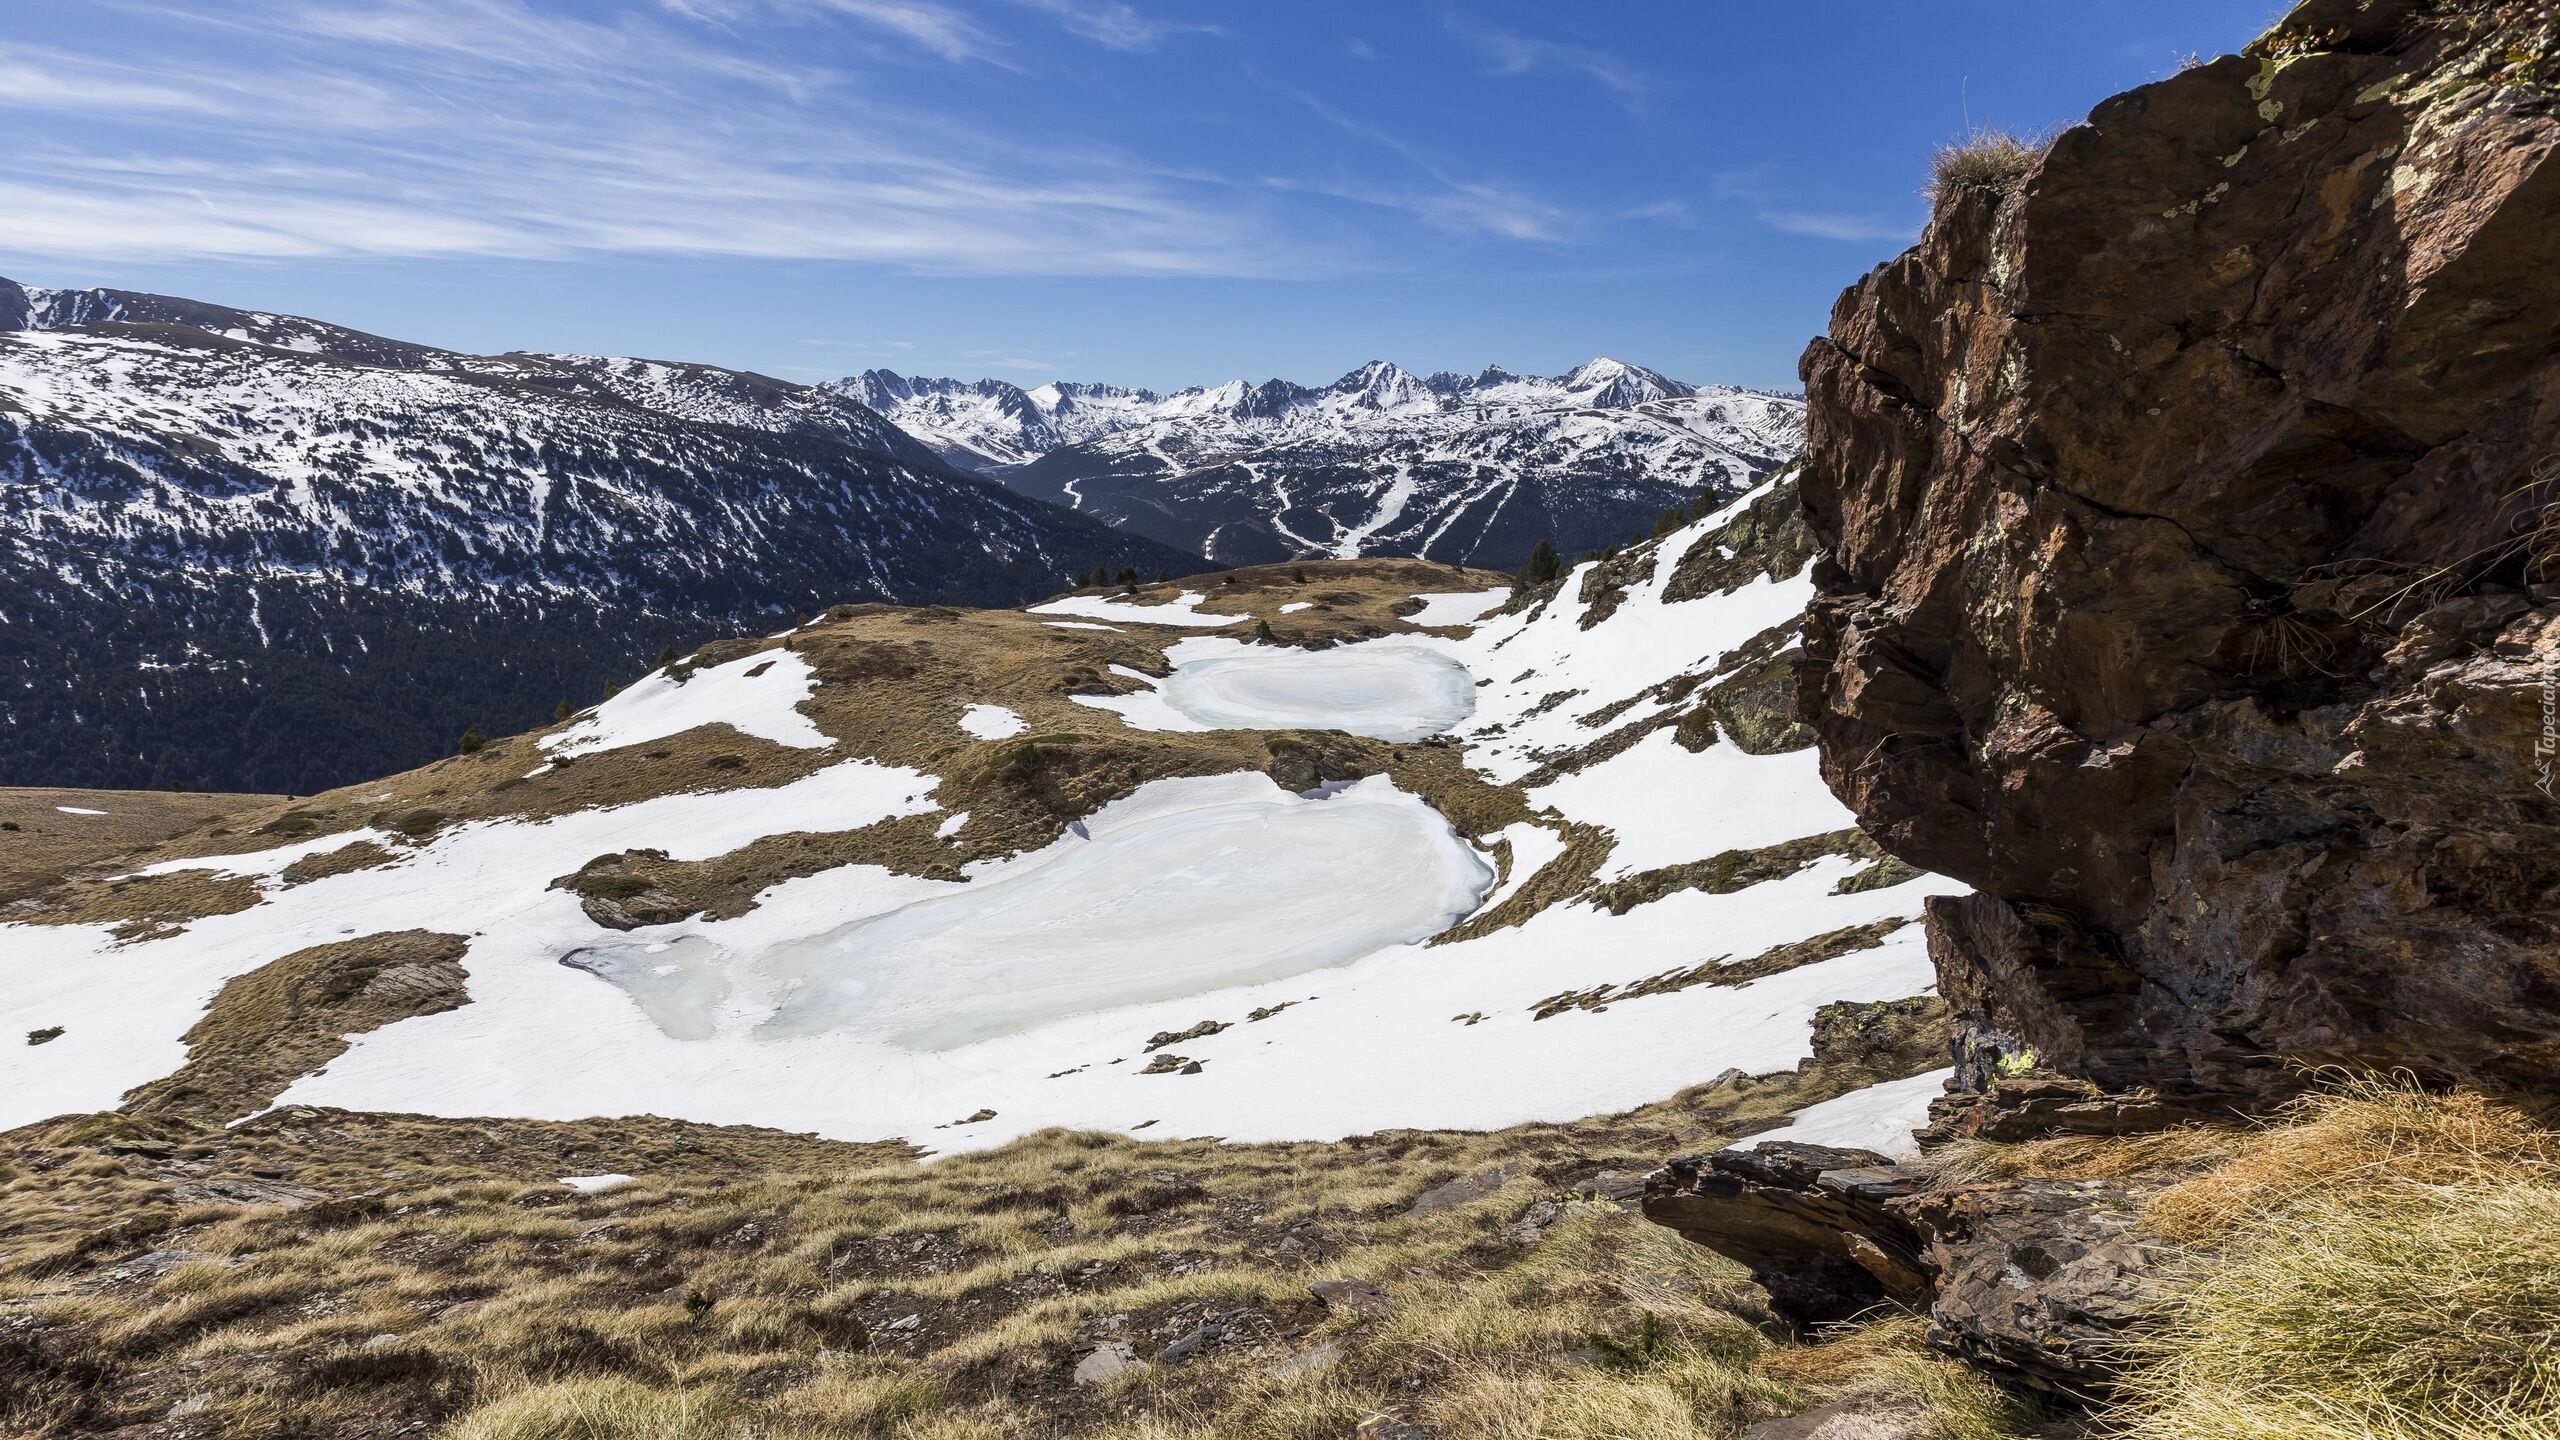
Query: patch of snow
{"points": [[1532, 848], [1083, 625], [756, 694], [273, 861], [951, 826], [1726, 799], [590, 1184], [78, 810], [991, 722], [1463, 607], [1294, 606], [1879, 1118], [1178, 611]]}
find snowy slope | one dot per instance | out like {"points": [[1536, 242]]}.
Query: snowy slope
{"points": [[1469, 468], [860, 1003], [227, 537]]}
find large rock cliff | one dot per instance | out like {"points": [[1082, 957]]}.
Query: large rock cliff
{"points": [[2193, 589]]}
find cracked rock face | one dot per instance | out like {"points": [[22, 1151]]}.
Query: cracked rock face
{"points": [[2193, 577]]}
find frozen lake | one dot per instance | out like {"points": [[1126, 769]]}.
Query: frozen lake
{"points": [[1389, 691], [1148, 902]]}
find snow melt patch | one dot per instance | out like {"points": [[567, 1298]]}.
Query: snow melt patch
{"points": [[590, 1184], [1181, 610], [78, 810], [991, 722], [756, 694], [1668, 806], [1879, 1118], [1464, 607], [1380, 688]]}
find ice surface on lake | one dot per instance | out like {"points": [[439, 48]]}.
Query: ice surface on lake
{"points": [[1382, 689], [1168, 903], [1389, 691]]}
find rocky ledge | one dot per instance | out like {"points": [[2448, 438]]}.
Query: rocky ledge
{"points": [[2037, 1280]]}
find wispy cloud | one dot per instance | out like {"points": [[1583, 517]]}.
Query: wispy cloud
{"points": [[1822, 226], [1116, 24], [1512, 53], [414, 128], [936, 29], [1448, 201], [1762, 192]]}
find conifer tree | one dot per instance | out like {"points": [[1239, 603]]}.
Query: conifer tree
{"points": [[1544, 568], [471, 742], [561, 711], [1262, 633]]}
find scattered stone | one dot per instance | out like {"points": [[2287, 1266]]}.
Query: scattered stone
{"points": [[1850, 1418], [1314, 1357], [1353, 1297], [50, 1032], [1167, 1064], [982, 1116], [911, 1322], [1105, 1362], [1201, 1031], [1265, 1012], [1388, 1425], [1199, 1338], [1465, 1190]]}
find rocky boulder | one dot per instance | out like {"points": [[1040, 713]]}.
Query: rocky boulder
{"points": [[1810, 1220], [2192, 587]]}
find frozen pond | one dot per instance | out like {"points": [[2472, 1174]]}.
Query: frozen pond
{"points": [[1147, 903], [1382, 689]]}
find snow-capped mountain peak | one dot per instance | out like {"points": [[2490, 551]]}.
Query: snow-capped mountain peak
{"points": [[1382, 385], [1606, 384]]}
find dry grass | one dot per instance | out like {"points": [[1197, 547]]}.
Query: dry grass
{"points": [[2383, 1263], [1985, 159], [321, 1274], [2359, 1133]]}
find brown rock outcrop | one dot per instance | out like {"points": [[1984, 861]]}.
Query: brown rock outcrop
{"points": [[2193, 526]]}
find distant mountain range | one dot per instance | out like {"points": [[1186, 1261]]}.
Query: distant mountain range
{"points": [[255, 551], [1469, 468]]}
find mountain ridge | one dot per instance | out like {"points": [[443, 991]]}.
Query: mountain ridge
{"points": [[231, 536], [1471, 469]]}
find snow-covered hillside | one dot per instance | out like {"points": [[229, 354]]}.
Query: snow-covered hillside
{"points": [[227, 538], [1629, 884], [1469, 468]]}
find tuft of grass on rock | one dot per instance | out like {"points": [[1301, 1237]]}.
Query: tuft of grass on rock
{"points": [[1985, 159]]}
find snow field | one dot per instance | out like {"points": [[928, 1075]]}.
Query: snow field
{"points": [[1181, 610], [755, 695]]}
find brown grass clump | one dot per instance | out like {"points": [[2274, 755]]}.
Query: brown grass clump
{"points": [[1985, 159], [2360, 1133], [2385, 1265]]}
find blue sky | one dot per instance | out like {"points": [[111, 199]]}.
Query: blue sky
{"points": [[1135, 190]]}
